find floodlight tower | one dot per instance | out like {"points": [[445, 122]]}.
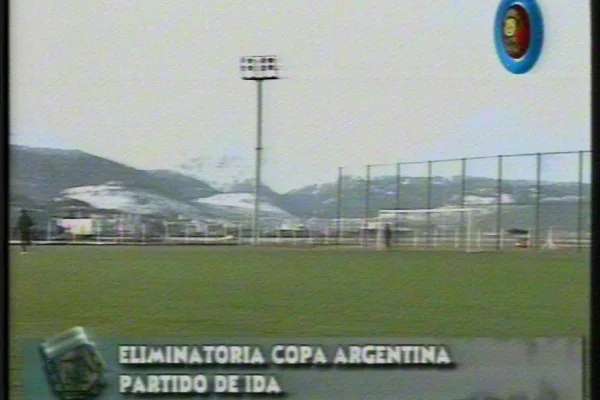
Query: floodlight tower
{"points": [[259, 69]]}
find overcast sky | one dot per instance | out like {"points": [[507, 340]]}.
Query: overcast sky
{"points": [[154, 83]]}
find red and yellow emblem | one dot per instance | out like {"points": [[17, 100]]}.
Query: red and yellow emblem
{"points": [[516, 32]]}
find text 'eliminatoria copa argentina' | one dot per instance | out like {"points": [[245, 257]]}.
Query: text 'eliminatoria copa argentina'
{"points": [[371, 354]]}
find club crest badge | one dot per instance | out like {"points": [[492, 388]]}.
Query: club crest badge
{"points": [[519, 34], [73, 365]]}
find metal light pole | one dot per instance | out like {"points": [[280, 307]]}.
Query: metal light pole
{"points": [[259, 69]]}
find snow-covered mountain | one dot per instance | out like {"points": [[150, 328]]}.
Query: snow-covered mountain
{"points": [[222, 172], [71, 181], [60, 182], [471, 200], [242, 203], [114, 196]]}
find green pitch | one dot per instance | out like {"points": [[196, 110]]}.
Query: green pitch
{"points": [[194, 292], [241, 291]]}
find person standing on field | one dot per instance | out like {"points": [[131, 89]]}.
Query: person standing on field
{"points": [[25, 224], [388, 236]]}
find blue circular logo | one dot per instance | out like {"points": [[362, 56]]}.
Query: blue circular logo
{"points": [[518, 34]]}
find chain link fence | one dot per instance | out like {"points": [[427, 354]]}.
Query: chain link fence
{"points": [[544, 197]]}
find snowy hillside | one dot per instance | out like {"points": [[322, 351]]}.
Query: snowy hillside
{"points": [[113, 196], [71, 181], [479, 200], [242, 203], [221, 172]]}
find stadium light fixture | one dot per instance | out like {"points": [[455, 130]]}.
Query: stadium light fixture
{"points": [[259, 69]]}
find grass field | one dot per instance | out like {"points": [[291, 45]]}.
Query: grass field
{"points": [[193, 291]]}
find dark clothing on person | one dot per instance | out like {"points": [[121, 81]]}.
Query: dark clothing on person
{"points": [[25, 224], [388, 236], [26, 237]]}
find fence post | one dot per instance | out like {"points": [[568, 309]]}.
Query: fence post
{"points": [[122, 231], [339, 204], [429, 202], [499, 206], [367, 193], [538, 197], [463, 190], [580, 202], [398, 184]]}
